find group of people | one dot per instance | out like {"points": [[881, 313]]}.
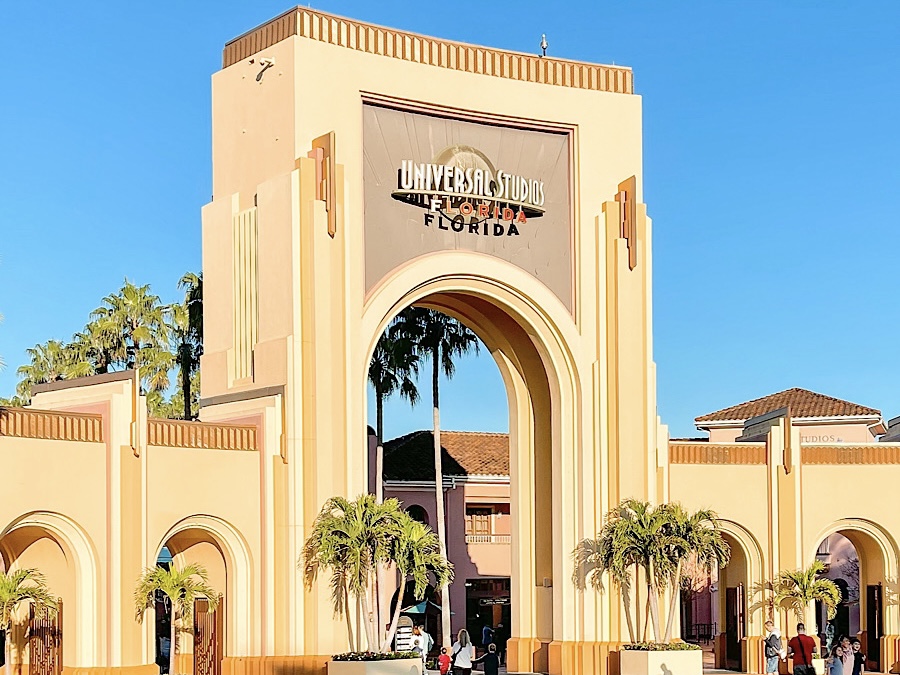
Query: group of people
{"points": [[844, 658], [461, 659]]}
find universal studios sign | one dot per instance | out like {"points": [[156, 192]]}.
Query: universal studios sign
{"points": [[462, 192]]}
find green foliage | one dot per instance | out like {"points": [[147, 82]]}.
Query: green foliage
{"points": [[375, 656], [130, 329], [21, 586], [351, 539], [655, 540], [797, 589]]}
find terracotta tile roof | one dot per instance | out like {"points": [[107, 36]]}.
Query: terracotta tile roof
{"points": [[802, 402], [464, 453]]}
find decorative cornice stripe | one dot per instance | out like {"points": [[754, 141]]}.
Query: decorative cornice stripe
{"points": [[398, 44], [875, 453], [205, 435], [51, 425], [717, 453]]}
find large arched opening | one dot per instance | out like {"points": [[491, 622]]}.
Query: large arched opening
{"points": [[213, 635], [60, 549], [530, 350], [861, 558]]}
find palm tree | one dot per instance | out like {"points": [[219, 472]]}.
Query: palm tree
{"points": [[696, 538], [182, 587], [186, 329], [50, 361], [393, 368], [442, 339], [797, 589], [134, 320], [417, 553], [351, 539], [610, 553], [16, 587]]}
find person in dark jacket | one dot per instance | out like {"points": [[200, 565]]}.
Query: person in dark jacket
{"points": [[490, 660]]}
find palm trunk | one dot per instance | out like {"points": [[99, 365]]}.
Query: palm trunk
{"points": [[379, 493], [637, 598], [350, 642], [646, 619], [439, 491], [186, 381], [629, 621], [392, 631], [172, 640], [653, 597], [7, 668], [673, 601], [370, 637]]}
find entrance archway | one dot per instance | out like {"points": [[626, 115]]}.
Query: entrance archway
{"points": [[530, 349], [862, 559], [220, 548], [62, 551]]}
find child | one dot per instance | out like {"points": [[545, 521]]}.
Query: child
{"points": [[444, 661], [490, 660]]}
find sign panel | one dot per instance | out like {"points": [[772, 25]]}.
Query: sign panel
{"points": [[434, 183]]}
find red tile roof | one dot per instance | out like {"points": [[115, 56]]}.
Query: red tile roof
{"points": [[802, 402], [464, 453]]}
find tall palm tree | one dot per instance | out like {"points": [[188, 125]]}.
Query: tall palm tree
{"points": [[443, 339], [186, 328], [17, 587], [50, 361], [134, 319], [417, 554], [694, 537], [393, 369], [351, 539], [96, 346], [182, 587], [797, 589]]}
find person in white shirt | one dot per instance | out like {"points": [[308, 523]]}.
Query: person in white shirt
{"points": [[462, 654]]}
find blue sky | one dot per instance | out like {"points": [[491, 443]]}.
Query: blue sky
{"points": [[771, 172]]}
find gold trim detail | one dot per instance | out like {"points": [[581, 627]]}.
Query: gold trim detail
{"points": [[876, 453], [205, 435], [51, 425], [717, 453], [405, 46]]}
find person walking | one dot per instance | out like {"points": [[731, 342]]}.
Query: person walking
{"points": [[801, 648], [444, 661], [487, 636], [418, 642], [427, 641], [774, 647], [835, 663], [462, 653], [859, 659], [501, 637], [490, 660]]}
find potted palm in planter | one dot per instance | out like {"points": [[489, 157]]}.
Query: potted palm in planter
{"points": [[642, 542], [182, 587], [351, 540], [796, 590]]}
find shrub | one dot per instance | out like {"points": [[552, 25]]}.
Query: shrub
{"points": [[375, 656], [660, 647]]}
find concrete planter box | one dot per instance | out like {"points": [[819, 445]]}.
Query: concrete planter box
{"points": [[687, 662], [394, 667]]}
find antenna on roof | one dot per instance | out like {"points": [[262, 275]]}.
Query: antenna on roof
{"points": [[544, 45]]}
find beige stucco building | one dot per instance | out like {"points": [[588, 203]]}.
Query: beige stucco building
{"points": [[358, 170]]}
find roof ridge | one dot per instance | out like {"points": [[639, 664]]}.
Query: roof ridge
{"points": [[792, 397]]}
